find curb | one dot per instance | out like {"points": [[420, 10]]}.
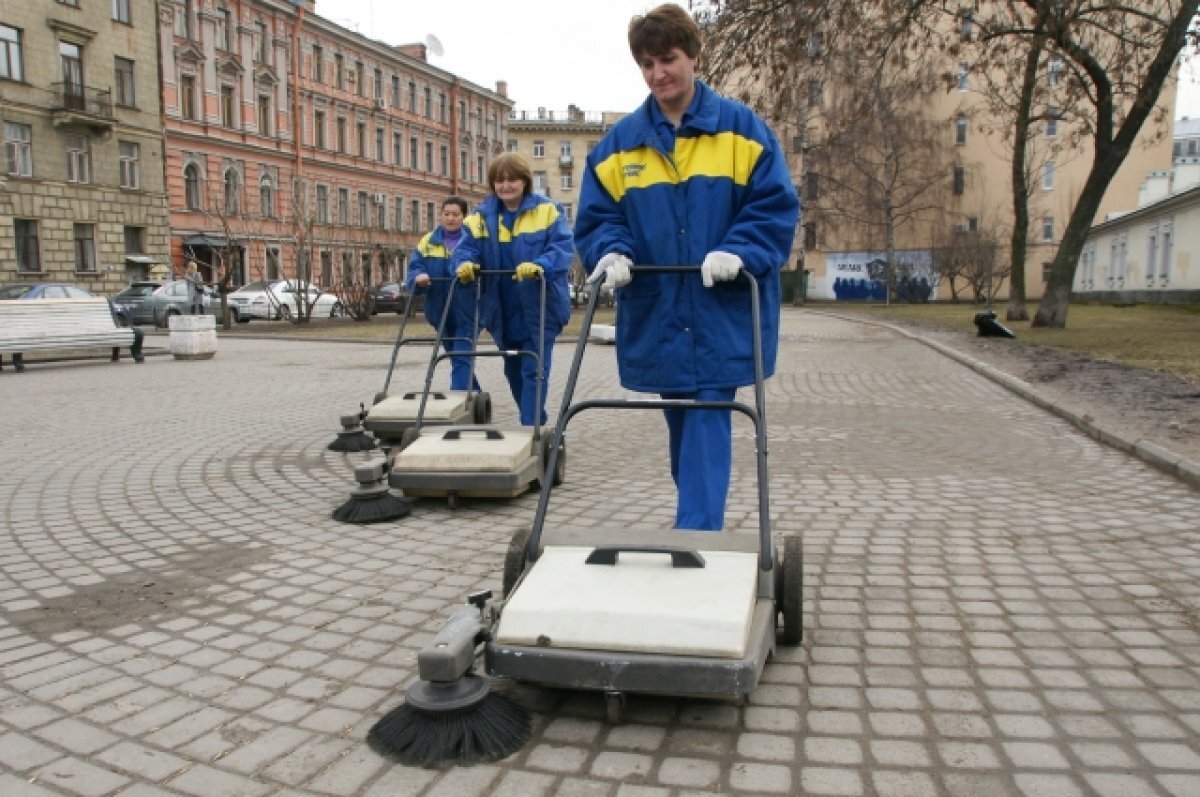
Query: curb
{"points": [[1148, 451]]}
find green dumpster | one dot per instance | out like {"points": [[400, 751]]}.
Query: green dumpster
{"points": [[787, 285]]}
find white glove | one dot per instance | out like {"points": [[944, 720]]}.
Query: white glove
{"points": [[719, 267], [616, 270]]}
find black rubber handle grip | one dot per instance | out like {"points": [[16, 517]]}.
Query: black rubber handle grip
{"points": [[680, 557]]}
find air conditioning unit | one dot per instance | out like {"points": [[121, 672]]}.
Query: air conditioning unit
{"points": [[379, 199], [379, 103]]}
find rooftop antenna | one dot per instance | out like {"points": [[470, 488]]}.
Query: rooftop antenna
{"points": [[434, 45]]}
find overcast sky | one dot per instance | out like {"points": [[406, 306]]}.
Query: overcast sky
{"points": [[553, 53]]}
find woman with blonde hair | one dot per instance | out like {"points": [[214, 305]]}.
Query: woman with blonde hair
{"points": [[515, 230]]}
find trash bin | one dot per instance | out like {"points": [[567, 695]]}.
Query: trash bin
{"points": [[192, 337], [804, 285], [787, 286]]}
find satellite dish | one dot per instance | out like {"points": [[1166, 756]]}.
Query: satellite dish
{"points": [[434, 45]]}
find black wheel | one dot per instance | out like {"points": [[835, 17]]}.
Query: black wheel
{"points": [[409, 437], [789, 596], [514, 558], [560, 467], [482, 409], [285, 313]]}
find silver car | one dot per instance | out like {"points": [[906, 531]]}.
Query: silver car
{"points": [[170, 298]]}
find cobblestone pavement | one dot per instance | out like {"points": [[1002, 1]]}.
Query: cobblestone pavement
{"points": [[995, 603]]}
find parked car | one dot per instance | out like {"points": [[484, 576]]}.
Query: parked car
{"points": [[580, 294], [168, 299], [133, 294], [59, 290], [390, 297], [278, 301]]}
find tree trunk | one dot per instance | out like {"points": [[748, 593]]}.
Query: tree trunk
{"points": [[1020, 188]]}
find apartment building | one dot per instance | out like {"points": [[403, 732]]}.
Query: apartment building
{"points": [[82, 196], [556, 144], [975, 191], [292, 141]]}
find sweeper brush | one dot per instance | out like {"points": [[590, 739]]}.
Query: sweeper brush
{"points": [[353, 437], [451, 715], [371, 501]]}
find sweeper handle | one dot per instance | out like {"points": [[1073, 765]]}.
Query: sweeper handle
{"points": [[680, 557], [451, 654]]}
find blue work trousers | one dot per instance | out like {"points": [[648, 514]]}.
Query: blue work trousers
{"points": [[701, 444], [459, 337], [521, 372]]}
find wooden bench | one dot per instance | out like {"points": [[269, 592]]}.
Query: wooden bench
{"points": [[49, 324]]}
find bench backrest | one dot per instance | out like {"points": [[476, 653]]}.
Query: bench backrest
{"points": [[48, 319]]}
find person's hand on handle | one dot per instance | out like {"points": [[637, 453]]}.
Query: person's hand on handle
{"points": [[617, 273], [528, 271], [467, 273], [719, 267]]}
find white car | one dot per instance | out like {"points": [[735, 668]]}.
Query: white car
{"points": [[280, 301]]}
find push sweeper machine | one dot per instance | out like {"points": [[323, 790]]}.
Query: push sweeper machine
{"points": [[615, 610], [391, 416], [483, 460]]}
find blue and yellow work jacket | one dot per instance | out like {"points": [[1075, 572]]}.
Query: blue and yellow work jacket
{"points": [[432, 257], [539, 234], [721, 185]]}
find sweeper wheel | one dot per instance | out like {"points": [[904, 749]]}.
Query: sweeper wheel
{"points": [[560, 467], [514, 558], [481, 409], [789, 594]]}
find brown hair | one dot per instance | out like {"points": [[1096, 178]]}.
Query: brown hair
{"points": [[511, 165], [457, 201], [663, 29]]}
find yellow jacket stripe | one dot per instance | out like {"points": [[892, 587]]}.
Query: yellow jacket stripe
{"points": [[722, 155], [428, 249], [537, 219]]}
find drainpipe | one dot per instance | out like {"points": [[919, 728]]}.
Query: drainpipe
{"points": [[454, 143], [297, 128]]}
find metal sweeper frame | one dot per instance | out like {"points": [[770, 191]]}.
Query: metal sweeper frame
{"points": [[480, 461], [575, 611], [391, 416]]}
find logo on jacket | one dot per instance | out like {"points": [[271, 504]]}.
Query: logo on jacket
{"points": [[634, 169]]}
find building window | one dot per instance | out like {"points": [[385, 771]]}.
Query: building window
{"points": [[966, 23], [187, 96], [326, 268], [85, 247], [339, 71], [1054, 70], [18, 149], [227, 106], [412, 97], [812, 186], [183, 19], [1046, 271], [273, 270], [381, 212], [964, 77], [1047, 229], [415, 215], [71, 56], [445, 160], [429, 156], [123, 77], [480, 171], [810, 235], [430, 216], [29, 258], [339, 128], [318, 63], [360, 79], [960, 130], [266, 198], [412, 152], [322, 204], [398, 209], [363, 219], [539, 149], [960, 180], [378, 87], [131, 169], [428, 103], [120, 11], [462, 164], [564, 149], [569, 212], [1052, 122], [231, 192], [380, 151], [135, 240], [10, 54], [319, 129], [1164, 269], [224, 37], [264, 115], [539, 183], [1048, 177], [260, 41], [972, 224], [513, 145], [397, 148], [442, 106], [566, 183], [343, 206], [395, 91], [79, 160], [191, 187], [361, 136]]}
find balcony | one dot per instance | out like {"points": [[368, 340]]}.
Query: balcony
{"points": [[82, 105], [566, 162]]}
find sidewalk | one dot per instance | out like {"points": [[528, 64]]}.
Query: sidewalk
{"points": [[996, 604]]}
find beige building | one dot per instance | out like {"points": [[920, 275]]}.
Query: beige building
{"points": [[975, 195], [294, 141], [82, 197]]}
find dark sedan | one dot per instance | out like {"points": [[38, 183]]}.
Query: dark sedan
{"points": [[390, 297]]}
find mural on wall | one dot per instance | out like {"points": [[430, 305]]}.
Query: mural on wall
{"points": [[862, 277]]}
